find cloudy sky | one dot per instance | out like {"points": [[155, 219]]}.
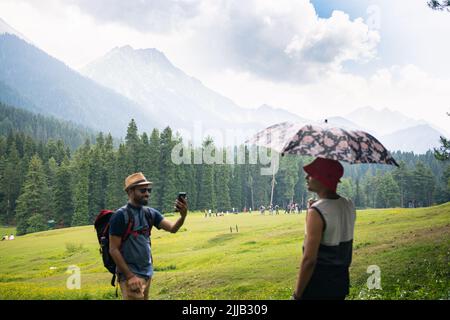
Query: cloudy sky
{"points": [[315, 58]]}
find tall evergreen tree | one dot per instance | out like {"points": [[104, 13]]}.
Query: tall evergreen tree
{"points": [[132, 143], [221, 188], [388, 191], [11, 180], [152, 168], [423, 185], [346, 188], [286, 179], [63, 192], [81, 192], [237, 193], [116, 196], [403, 177], [359, 196], [167, 172], [33, 200], [111, 182], [205, 189], [97, 182], [51, 169]]}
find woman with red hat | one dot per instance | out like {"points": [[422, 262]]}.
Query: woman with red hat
{"points": [[327, 249]]}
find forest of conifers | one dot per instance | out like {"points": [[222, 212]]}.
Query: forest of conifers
{"points": [[52, 176]]}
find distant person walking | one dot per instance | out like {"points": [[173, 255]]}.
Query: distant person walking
{"points": [[133, 257], [327, 249]]}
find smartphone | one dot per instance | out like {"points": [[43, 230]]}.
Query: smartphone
{"points": [[181, 195]]}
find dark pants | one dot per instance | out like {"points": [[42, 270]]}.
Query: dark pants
{"points": [[327, 283]]}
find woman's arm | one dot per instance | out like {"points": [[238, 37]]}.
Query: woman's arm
{"points": [[314, 229]]}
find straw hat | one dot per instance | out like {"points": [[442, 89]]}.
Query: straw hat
{"points": [[136, 179]]}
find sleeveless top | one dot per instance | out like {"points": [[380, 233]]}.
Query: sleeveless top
{"points": [[336, 245]]}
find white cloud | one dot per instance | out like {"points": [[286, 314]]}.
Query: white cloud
{"points": [[70, 35], [280, 40], [333, 41], [406, 89], [265, 52], [159, 16]]}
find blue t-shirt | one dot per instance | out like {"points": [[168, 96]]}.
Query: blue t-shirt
{"points": [[136, 249]]}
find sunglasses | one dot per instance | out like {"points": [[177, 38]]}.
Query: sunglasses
{"points": [[143, 190]]}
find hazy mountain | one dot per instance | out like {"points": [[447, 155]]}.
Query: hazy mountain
{"points": [[147, 77], [6, 28], [143, 84], [48, 86], [345, 123], [418, 139], [382, 122], [43, 128], [267, 115], [11, 97]]}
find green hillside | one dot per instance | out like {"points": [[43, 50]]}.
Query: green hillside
{"points": [[260, 261], [42, 128]]}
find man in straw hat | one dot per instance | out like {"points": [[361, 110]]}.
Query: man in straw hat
{"points": [[327, 249], [133, 256]]}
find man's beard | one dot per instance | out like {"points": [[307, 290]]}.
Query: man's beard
{"points": [[143, 201]]}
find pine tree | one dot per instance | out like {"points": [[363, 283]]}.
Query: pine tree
{"points": [[167, 172], [114, 192], [446, 179], [359, 197], [12, 180], [2, 184], [63, 191], [81, 191], [346, 188], [205, 190], [121, 172], [50, 169], [403, 178], [388, 191], [236, 187], [33, 200], [132, 143], [221, 187], [152, 170], [300, 190], [36, 223], [190, 185], [97, 182], [369, 187], [143, 153], [423, 185], [286, 178]]}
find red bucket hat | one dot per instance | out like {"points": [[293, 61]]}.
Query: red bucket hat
{"points": [[327, 171]]}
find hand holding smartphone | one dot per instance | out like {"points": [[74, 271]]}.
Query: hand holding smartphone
{"points": [[182, 198]]}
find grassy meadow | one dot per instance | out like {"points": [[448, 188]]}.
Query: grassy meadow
{"points": [[260, 260]]}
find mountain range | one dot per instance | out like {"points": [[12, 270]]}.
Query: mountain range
{"points": [[143, 84]]}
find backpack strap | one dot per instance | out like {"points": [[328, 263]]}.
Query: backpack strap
{"points": [[150, 218], [129, 222]]}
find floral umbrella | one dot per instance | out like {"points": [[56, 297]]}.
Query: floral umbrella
{"points": [[324, 141]]}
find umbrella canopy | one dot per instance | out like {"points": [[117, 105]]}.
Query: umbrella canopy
{"points": [[323, 141]]}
